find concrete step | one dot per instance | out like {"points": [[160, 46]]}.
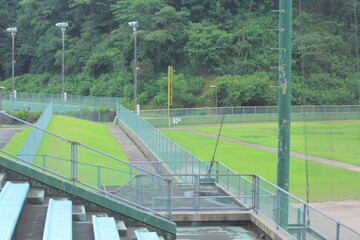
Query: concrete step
{"points": [[35, 196], [131, 232], [83, 230], [2, 179], [120, 224], [57, 198], [79, 213], [31, 222], [98, 214]]}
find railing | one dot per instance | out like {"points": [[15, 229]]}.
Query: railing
{"points": [[225, 189], [81, 164], [164, 148]]}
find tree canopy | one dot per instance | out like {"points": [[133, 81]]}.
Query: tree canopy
{"points": [[208, 42]]}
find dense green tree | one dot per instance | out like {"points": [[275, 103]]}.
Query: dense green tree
{"points": [[246, 90], [200, 38]]}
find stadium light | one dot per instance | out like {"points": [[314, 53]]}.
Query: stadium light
{"points": [[62, 26], [13, 31], [216, 97], [134, 26]]}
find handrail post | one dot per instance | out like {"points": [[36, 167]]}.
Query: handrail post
{"points": [[74, 159], [196, 192], [337, 231], [256, 194], [304, 223], [99, 177], [169, 186], [138, 189], [44, 162]]}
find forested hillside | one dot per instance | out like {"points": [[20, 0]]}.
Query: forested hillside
{"points": [[207, 41]]}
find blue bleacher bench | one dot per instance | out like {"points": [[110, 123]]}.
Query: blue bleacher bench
{"points": [[105, 228], [12, 198], [58, 224]]}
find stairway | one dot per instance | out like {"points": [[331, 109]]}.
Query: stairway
{"points": [[31, 221]]}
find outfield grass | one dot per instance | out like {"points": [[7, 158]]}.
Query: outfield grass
{"points": [[326, 182], [338, 140]]}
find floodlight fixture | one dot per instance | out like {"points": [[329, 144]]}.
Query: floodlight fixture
{"points": [[12, 30], [62, 24], [134, 25]]}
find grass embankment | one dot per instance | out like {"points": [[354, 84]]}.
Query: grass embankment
{"points": [[326, 182], [58, 151]]}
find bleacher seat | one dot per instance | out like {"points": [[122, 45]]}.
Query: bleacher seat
{"points": [[58, 224], [12, 198], [105, 228], [146, 235]]}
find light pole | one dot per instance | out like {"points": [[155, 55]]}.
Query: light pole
{"points": [[134, 26], [12, 31], [62, 26], [216, 98]]}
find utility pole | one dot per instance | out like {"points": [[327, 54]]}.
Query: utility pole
{"points": [[284, 105], [62, 26]]}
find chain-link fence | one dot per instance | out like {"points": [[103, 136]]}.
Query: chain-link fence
{"points": [[222, 188], [31, 143], [197, 116], [179, 160], [76, 100]]}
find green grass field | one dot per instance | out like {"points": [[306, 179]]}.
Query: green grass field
{"points": [[92, 134], [326, 182], [338, 140]]}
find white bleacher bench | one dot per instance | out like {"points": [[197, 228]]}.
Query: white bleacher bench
{"points": [[12, 198], [105, 228], [146, 235], [58, 224]]}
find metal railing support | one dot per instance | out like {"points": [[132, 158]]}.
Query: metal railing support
{"points": [[169, 186], [304, 223], [74, 161], [138, 189], [196, 192]]}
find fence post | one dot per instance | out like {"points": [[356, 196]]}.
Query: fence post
{"points": [[196, 192], [169, 184], [304, 223], [256, 194], [337, 231], [138, 189], [44, 162], [99, 176], [74, 156]]}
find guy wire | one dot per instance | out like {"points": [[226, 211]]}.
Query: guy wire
{"points": [[235, 69]]}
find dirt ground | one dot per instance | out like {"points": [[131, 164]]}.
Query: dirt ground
{"points": [[347, 212]]}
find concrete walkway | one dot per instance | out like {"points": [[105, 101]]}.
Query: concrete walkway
{"points": [[6, 134], [273, 149], [134, 154]]}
